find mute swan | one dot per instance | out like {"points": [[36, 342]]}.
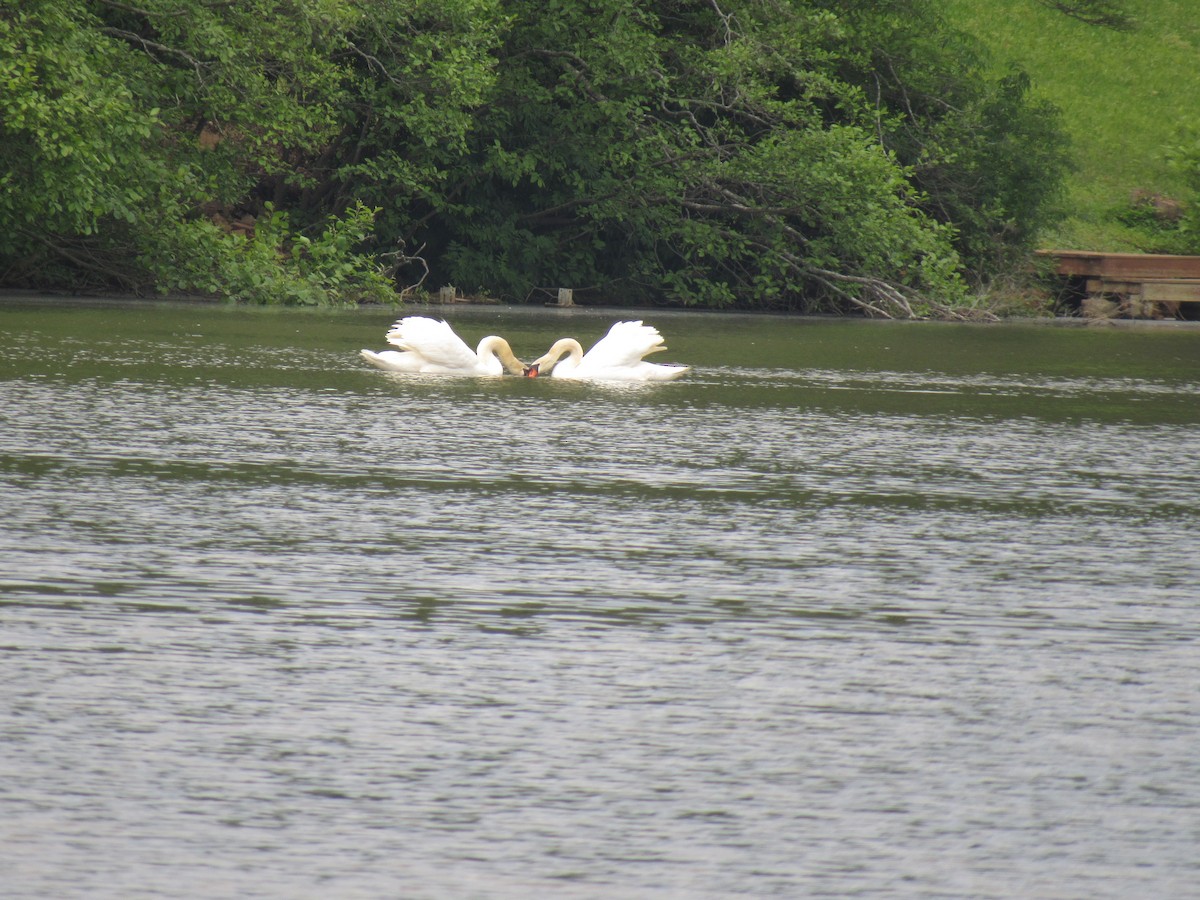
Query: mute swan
{"points": [[615, 357], [430, 347]]}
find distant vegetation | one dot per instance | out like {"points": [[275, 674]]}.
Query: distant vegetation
{"points": [[798, 154], [1130, 99]]}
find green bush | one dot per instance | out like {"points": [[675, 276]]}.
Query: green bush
{"points": [[1183, 155], [271, 265]]}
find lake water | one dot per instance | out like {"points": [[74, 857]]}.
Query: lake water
{"points": [[856, 609]]}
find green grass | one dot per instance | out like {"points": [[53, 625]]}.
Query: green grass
{"points": [[1123, 95]]}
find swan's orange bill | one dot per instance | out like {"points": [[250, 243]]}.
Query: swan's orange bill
{"points": [[531, 372]]}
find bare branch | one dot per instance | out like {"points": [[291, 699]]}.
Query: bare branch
{"points": [[88, 263], [398, 258], [150, 45], [374, 64], [727, 19]]}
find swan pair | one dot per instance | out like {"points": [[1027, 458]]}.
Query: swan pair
{"points": [[431, 347]]}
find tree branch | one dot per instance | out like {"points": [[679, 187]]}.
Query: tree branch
{"points": [[88, 265], [150, 45], [727, 19]]}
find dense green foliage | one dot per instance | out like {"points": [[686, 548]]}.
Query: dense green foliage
{"points": [[144, 143], [752, 153]]}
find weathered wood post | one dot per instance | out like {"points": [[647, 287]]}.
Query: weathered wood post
{"points": [[566, 297], [448, 294]]}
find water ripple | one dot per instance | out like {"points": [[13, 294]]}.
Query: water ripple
{"points": [[278, 625]]}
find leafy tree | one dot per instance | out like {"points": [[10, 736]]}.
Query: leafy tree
{"points": [[736, 152], [417, 71], [137, 134], [74, 142], [986, 157]]}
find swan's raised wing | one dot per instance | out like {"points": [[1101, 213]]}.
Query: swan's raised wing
{"points": [[434, 340], [624, 345]]}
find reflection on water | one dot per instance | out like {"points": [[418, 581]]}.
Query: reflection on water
{"points": [[853, 609]]}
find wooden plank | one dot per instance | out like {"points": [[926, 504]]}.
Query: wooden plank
{"points": [[1129, 266], [1108, 286], [1171, 291], [1158, 290]]}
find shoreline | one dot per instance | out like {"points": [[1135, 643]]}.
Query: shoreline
{"points": [[12, 297]]}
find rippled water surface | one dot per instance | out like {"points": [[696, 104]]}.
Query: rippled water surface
{"points": [[856, 609]]}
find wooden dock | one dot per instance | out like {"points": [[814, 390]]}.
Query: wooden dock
{"points": [[1137, 285]]}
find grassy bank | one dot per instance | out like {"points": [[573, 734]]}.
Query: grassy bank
{"points": [[1123, 94]]}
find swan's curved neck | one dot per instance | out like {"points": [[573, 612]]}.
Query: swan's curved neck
{"points": [[499, 347], [561, 346]]}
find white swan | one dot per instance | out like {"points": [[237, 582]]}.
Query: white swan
{"points": [[430, 347], [615, 357]]}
